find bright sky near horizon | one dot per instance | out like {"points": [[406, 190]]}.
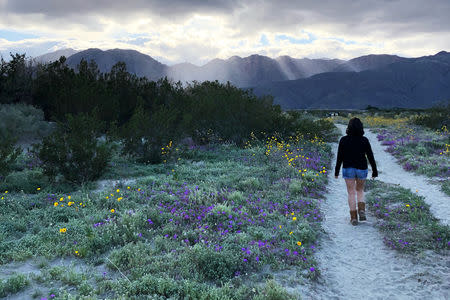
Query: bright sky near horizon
{"points": [[197, 31]]}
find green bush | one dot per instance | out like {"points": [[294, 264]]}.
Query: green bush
{"points": [[8, 152], [13, 285], [273, 291], [74, 150], [310, 128], [145, 135], [434, 118], [213, 265], [27, 180], [24, 121], [446, 187]]}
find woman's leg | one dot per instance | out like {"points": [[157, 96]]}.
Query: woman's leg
{"points": [[360, 196], [360, 189], [351, 190]]}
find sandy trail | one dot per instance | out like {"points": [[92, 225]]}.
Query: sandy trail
{"points": [[354, 262]]}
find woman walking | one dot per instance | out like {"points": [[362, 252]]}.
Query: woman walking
{"points": [[352, 152]]}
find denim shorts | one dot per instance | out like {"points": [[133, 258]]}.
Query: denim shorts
{"points": [[352, 173]]}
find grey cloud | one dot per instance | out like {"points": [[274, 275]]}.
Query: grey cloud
{"points": [[347, 16], [389, 17], [153, 7]]}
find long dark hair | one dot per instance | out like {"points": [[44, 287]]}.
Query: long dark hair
{"points": [[355, 127]]}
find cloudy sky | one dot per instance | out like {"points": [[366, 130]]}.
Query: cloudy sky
{"points": [[199, 30]]}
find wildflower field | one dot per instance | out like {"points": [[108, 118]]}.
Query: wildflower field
{"points": [[405, 220], [210, 222], [420, 150]]}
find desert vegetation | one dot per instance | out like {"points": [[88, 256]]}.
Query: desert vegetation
{"points": [[219, 187], [405, 220]]}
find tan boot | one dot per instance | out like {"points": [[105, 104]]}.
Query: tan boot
{"points": [[362, 211], [353, 217]]}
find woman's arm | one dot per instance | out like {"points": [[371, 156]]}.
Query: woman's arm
{"points": [[340, 157], [371, 159]]}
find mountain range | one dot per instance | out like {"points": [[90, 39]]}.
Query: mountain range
{"points": [[376, 80], [52, 56], [411, 83]]}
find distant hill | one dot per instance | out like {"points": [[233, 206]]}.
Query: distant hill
{"points": [[376, 80], [368, 62], [301, 68], [137, 63], [247, 71], [414, 82], [52, 56], [252, 70]]}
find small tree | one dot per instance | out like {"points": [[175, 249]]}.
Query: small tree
{"points": [[144, 135], [74, 150], [8, 152]]}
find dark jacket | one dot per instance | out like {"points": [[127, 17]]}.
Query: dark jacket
{"points": [[352, 152]]}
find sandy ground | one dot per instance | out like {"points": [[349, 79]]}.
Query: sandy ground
{"points": [[355, 263]]}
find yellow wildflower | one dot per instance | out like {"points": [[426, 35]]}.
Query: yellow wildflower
{"points": [[290, 233], [118, 191], [69, 197], [128, 187], [38, 189], [299, 243], [55, 204], [294, 218], [62, 230], [61, 199], [120, 198], [112, 210]]}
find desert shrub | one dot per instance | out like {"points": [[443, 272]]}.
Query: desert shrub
{"points": [[74, 150], [26, 180], [13, 285], [24, 121], [227, 113], [309, 127], [446, 187], [273, 291], [214, 265], [145, 135], [8, 152], [434, 118]]}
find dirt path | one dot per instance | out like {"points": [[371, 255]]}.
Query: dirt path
{"points": [[354, 262]]}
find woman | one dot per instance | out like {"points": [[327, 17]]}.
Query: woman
{"points": [[352, 151]]}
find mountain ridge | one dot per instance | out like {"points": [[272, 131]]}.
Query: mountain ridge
{"points": [[375, 79], [416, 82]]}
